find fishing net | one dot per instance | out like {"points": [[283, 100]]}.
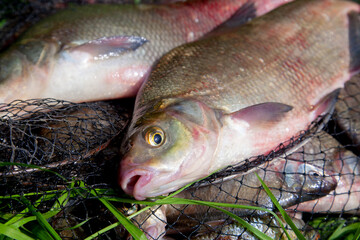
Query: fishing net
{"points": [[55, 145], [59, 160]]}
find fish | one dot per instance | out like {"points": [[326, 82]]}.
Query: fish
{"points": [[291, 182], [346, 168], [266, 224], [99, 51], [348, 111], [225, 98]]}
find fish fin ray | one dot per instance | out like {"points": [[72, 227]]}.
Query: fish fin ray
{"points": [[326, 105], [106, 47], [243, 15], [263, 113]]}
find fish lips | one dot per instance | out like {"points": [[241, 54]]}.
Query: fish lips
{"points": [[133, 180], [143, 182]]}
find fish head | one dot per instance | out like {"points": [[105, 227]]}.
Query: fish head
{"points": [[13, 71], [309, 180], [11, 65], [168, 144], [24, 67]]}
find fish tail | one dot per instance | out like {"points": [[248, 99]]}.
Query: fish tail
{"points": [[354, 41]]}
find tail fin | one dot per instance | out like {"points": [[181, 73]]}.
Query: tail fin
{"points": [[354, 41]]}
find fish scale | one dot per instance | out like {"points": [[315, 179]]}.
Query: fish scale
{"points": [[267, 51], [93, 24], [97, 52], [238, 93]]}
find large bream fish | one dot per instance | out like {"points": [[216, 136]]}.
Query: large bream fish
{"points": [[97, 52], [237, 94]]}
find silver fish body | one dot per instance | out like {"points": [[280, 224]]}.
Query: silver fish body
{"points": [[266, 224], [237, 94], [325, 152], [98, 52]]}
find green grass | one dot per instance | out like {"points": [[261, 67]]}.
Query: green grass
{"points": [[2, 23], [32, 224], [15, 226], [335, 228]]}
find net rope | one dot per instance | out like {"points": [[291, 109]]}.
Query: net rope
{"points": [[61, 158]]}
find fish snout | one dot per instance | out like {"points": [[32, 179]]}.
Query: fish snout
{"points": [[330, 183], [132, 180]]}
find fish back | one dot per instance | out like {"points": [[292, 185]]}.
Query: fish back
{"points": [[278, 53]]}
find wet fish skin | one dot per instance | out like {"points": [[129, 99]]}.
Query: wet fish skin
{"points": [[214, 100], [98, 52], [266, 224], [346, 168], [286, 179], [348, 110]]}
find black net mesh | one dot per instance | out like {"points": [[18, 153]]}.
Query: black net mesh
{"points": [[60, 159], [57, 144]]}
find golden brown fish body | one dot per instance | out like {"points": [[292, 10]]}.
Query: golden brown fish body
{"points": [[238, 94], [97, 52]]}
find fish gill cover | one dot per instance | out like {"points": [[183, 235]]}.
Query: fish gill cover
{"points": [[59, 158]]}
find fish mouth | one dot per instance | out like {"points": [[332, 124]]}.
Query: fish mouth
{"points": [[142, 183], [133, 181]]}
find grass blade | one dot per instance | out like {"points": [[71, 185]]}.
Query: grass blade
{"points": [[2, 23], [282, 211], [40, 218], [357, 234], [77, 225], [38, 231], [338, 231], [13, 232], [104, 230], [248, 226], [130, 227], [341, 232]]}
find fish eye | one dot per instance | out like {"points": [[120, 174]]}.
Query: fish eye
{"points": [[314, 175], [155, 136]]}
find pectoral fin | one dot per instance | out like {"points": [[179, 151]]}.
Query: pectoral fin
{"points": [[263, 113], [326, 104], [106, 47]]}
